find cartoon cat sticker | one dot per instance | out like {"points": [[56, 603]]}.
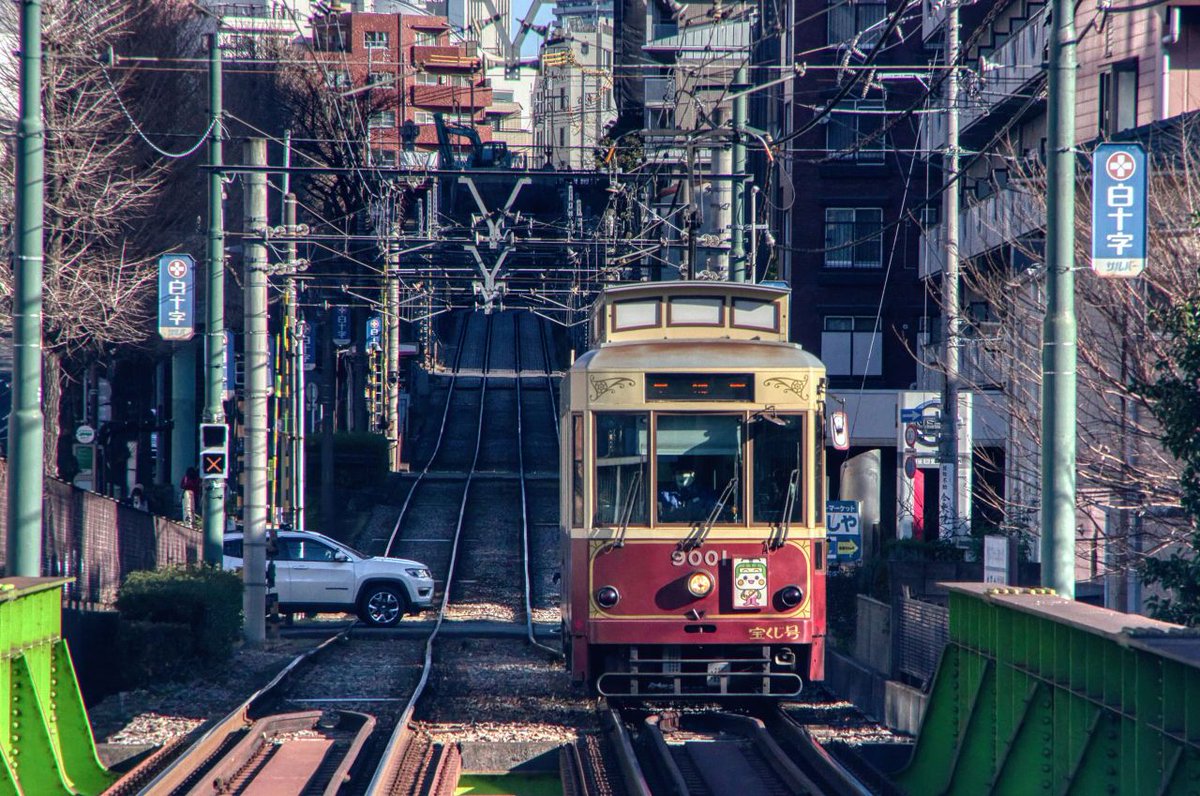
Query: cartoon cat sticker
{"points": [[749, 582]]}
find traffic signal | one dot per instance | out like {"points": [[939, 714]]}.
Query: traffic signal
{"points": [[214, 450]]}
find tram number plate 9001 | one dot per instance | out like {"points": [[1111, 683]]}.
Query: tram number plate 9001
{"points": [[695, 558]]}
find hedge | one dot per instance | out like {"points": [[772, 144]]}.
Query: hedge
{"points": [[206, 600]]}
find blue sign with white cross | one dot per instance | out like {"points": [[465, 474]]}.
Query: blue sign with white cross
{"points": [[374, 332], [1119, 210], [341, 325], [176, 296]]}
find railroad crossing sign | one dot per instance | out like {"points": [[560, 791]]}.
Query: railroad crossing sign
{"points": [[843, 530], [1119, 210]]}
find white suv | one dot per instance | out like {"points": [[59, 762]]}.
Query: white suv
{"points": [[316, 573]]}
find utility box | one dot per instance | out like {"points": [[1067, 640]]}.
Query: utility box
{"points": [[46, 744]]}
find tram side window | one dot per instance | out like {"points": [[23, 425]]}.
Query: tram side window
{"points": [[576, 470], [778, 470], [699, 461], [622, 468]]}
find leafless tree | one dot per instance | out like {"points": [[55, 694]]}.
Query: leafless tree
{"points": [[1122, 466], [111, 205]]}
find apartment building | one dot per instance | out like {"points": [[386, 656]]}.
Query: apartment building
{"points": [[1136, 78], [572, 95], [410, 69]]}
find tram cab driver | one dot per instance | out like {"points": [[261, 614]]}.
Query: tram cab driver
{"points": [[688, 501]]}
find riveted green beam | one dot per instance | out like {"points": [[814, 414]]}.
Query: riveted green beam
{"points": [[71, 727], [35, 762], [46, 743], [1036, 694]]}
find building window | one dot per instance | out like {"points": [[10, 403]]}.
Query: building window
{"points": [[378, 78], [383, 157], [426, 79], [1118, 98], [562, 136], [853, 237], [375, 39], [423, 38], [849, 18], [852, 123], [337, 79], [382, 120], [852, 346], [423, 117]]}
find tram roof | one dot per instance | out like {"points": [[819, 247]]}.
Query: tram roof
{"points": [[692, 288], [699, 355]]}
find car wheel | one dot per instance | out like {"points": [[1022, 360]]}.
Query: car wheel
{"points": [[382, 605]]}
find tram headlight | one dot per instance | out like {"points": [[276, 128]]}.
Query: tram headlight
{"points": [[700, 584], [790, 596], [607, 596]]}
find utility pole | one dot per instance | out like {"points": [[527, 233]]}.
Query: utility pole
{"points": [[294, 332], [950, 518], [328, 398], [737, 250], [720, 196], [214, 382], [257, 391], [26, 423], [1059, 332], [392, 373]]}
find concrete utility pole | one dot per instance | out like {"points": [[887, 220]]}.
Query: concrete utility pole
{"points": [[950, 518], [26, 423], [737, 251], [254, 540], [1060, 331], [214, 368], [295, 335], [720, 195], [392, 373]]}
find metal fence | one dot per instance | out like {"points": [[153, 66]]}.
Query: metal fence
{"points": [[920, 632], [99, 541]]}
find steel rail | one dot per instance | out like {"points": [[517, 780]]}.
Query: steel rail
{"points": [[394, 751], [462, 337], [783, 771], [526, 553], [236, 720], [836, 777]]}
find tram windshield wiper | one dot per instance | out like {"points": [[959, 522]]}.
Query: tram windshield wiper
{"points": [[631, 501], [700, 534], [779, 537]]}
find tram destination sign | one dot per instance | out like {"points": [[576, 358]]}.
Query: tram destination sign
{"points": [[1119, 210]]}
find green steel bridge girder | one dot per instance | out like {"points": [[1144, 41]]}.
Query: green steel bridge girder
{"points": [[1036, 694], [46, 744]]}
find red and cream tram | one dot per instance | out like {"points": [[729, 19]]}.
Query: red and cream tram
{"points": [[692, 520]]}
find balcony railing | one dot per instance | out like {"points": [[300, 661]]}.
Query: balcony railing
{"points": [[1009, 67], [1005, 216], [463, 56], [1004, 72], [430, 96]]}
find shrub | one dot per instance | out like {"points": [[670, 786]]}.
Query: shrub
{"points": [[207, 600], [153, 651]]}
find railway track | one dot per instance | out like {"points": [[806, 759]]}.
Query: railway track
{"points": [[301, 733], [713, 753], [491, 544]]}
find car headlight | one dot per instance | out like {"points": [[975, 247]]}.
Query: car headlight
{"points": [[419, 572]]}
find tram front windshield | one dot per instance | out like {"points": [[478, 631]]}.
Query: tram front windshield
{"points": [[698, 460]]}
